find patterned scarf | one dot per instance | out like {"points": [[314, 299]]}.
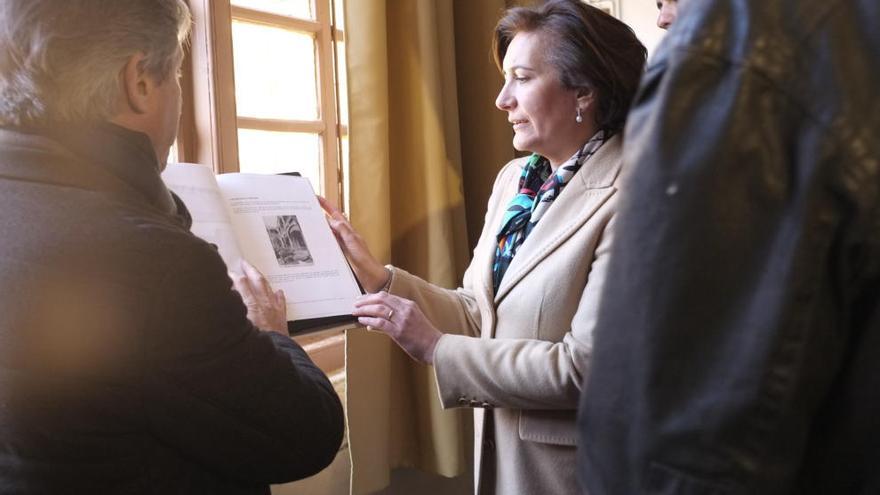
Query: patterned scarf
{"points": [[538, 187]]}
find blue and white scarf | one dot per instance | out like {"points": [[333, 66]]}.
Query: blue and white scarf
{"points": [[538, 187]]}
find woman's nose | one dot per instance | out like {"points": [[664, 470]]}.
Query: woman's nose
{"points": [[504, 100]]}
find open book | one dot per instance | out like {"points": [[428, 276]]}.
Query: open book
{"points": [[276, 224]]}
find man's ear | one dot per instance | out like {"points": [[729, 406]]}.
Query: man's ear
{"points": [[137, 86]]}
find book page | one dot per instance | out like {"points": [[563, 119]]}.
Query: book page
{"points": [[283, 232], [197, 187]]}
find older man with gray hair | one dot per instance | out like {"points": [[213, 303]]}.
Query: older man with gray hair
{"points": [[128, 363]]}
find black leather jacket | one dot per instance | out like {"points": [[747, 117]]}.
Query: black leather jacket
{"points": [[738, 348]]}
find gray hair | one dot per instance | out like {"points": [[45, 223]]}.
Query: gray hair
{"points": [[61, 60]]}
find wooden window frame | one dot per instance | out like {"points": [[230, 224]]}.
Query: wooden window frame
{"points": [[209, 122]]}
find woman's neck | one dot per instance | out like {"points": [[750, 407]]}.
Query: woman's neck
{"points": [[571, 147]]}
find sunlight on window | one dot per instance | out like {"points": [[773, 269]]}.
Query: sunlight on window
{"points": [[276, 83], [266, 152], [342, 82], [346, 166], [338, 15], [173, 153], [293, 8]]}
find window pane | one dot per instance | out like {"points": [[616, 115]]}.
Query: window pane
{"points": [[173, 153], [346, 171], [344, 151], [275, 72], [267, 152], [293, 8], [342, 82], [338, 14]]}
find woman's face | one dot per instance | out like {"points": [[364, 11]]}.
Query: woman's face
{"points": [[541, 110]]}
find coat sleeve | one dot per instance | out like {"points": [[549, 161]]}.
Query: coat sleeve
{"points": [[450, 310], [525, 373], [456, 311], [246, 403], [507, 373]]}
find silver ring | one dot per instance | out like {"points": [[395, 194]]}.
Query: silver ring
{"points": [[390, 314]]}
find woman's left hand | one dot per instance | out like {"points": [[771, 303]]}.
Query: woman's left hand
{"points": [[402, 320]]}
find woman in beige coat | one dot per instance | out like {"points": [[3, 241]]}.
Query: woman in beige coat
{"points": [[514, 341]]}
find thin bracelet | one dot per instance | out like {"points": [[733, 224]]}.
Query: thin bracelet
{"points": [[387, 284]]}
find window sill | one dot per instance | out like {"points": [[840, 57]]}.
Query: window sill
{"points": [[326, 348]]}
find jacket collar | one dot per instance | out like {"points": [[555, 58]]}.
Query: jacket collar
{"points": [[100, 157], [583, 195]]}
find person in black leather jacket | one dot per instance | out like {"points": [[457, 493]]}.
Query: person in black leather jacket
{"points": [[738, 343]]}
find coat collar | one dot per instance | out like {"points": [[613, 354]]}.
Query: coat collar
{"points": [[583, 195], [100, 157]]}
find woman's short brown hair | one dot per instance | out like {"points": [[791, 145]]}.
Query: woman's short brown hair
{"points": [[591, 50]]}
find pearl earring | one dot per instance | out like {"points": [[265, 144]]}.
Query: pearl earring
{"points": [[578, 118]]}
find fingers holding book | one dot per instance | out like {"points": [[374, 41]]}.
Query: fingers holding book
{"points": [[372, 274], [266, 308]]}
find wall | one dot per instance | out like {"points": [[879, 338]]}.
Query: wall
{"points": [[641, 15]]}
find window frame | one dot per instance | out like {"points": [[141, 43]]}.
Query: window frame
{"points": [[209, 122]]}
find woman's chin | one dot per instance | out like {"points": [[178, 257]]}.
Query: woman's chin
{"points": [[521, 144]]}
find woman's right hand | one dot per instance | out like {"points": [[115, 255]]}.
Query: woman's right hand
{"points": [[372, 274]]}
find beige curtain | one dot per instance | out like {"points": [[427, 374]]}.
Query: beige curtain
{"points": [[485, 133], [406, 199]]}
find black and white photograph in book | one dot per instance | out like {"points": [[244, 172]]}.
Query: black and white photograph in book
{"points": [[288, 241]]}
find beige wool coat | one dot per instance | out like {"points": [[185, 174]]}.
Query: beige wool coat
{"points": [[520, 356]]}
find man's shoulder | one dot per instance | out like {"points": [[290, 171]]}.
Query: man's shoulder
{"points": [[151, 239], [48, 193], [81, 232]]}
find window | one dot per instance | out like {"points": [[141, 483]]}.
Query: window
{"points": [[266, 93], [268, 89]]}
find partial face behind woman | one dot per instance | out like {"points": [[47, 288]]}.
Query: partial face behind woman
{"points": [[541, 109], [667, 12]]}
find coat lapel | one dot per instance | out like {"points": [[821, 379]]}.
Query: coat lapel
{"points": [[586, 192], [484, 254]]}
